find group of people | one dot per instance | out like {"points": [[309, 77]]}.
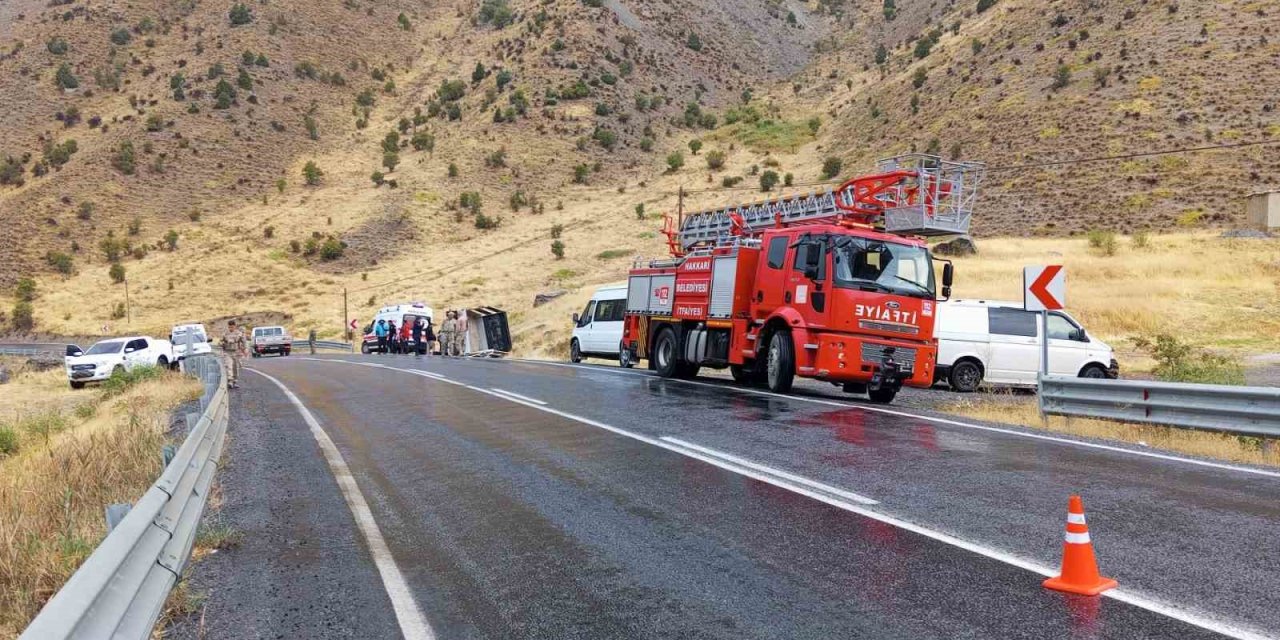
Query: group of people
{"points": [[452, 337]]}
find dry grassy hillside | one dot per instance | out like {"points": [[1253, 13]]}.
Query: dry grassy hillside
{"points": [[1018, 83], [453, 144]]}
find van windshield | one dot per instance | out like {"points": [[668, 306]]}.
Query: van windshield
{"points": [[885, 266], [106, 346]]}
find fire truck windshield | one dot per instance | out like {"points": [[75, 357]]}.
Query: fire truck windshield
{"points": [[892, 268]]}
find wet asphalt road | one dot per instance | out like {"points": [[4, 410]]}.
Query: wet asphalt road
{"points": [[509, 521]]}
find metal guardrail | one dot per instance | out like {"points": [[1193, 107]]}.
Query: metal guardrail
{"points": [[121, 588], [1247, 411], [331, 344], [9, 350]]}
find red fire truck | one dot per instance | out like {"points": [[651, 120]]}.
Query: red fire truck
{"points": [[838, 286]]}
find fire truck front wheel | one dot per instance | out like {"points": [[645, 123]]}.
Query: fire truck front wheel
{"points": [[781, 369]]}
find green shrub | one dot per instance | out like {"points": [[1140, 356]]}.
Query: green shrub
{"points": [[695, 145], [612, 254], [390, 159], [125, 160], [116, 272], [486, 222], [768, 180], [332, 249], [1180, 362], [557, 249], [675, 160], [61, 262], [64, 78], [580, 173], [311, 174], [121, 380], [831, 167], [1102, 240], [25, 290], [56, 46], [496, 12], [171, 239], [121, 36], [9, 443], [983, 5], [240, 15], [556, 231], [693, 42], [1061, 77], [918, 78], [1140, 239], [423, 141], [23, 316]]}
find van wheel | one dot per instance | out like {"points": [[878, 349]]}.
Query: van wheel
{"points": [[883, 395], [575, 351], [781, 371], [966, 376], [1093, 371], [664, 354], [163, 362]]}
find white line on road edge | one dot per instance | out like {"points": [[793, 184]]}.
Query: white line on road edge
{"points": [[413, 625], [848, 495], [722, 460], [905, 414], [516, 395]]}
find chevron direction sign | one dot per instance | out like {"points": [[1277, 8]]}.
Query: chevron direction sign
{"points": [[1044, 287]]}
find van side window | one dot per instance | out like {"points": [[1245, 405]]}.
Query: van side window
{"points": [[1012, 322], [1061, 328], [614, 310], [777, 252]]}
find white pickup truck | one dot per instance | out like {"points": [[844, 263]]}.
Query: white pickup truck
{"points": [[271, 340], [117, 354]]}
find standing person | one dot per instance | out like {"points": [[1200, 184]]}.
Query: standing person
{"points": [[393, 337], [236, 348], [429, 335], [459, 334], [417, 337], [380, 332], [446, 334]]}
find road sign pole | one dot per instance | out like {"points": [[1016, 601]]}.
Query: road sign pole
{"points": [[1044, 363]]}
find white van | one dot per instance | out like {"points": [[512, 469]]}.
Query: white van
{"points": [[597, 331], [182, 334], [999, 343]]}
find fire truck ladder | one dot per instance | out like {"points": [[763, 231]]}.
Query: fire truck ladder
{"points": [[913, 194]]}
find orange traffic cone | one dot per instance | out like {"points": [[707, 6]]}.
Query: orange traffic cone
{"points": [[1079, 565]]}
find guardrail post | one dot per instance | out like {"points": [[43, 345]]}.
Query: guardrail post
{"points": [[116, 513]]}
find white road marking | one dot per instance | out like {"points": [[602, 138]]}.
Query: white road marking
{"points": [[848, 495], [905, 414], [413, 625], [1154, 605], [516, 395]]}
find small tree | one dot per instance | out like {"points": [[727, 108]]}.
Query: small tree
{"points": [[25, 290], [557, 249], [244, 80], [918, 78], [580, 173], [453, 170], [788, 179], [313, 128], [171, 239], [404, 22], [85, 211], [332, 249], [768, 180], [715, 160], [423, 141], [64, 78], [675, 161], [693, 42], [116, 272], [280, 185], [831, 167], [240, 15], [390, 159], [311, 173], [882, 54], [695, 146], [556, 230], [23, 316], [377, 178], [640, 211]]}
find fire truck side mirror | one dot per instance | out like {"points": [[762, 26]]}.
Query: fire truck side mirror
{"points": [[948, 274]]}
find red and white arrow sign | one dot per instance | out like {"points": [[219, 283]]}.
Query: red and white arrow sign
{"points": [[1044, 287]]}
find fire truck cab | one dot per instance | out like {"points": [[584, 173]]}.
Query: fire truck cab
{"points": [[792, 288]]}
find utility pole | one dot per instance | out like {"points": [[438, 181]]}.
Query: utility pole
{"points": [[680, 208], [345, 331]]}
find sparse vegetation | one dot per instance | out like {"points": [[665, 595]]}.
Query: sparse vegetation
{"points": [[1104, 241], [768, 180], [311, 174], [1177, 361], [64, 78], [240, 15], [675, 161], [116, 272], [831, 167], [557, 249]]}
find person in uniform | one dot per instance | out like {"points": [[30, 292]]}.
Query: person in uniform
{"points": [[446, 333], [236, 348]]}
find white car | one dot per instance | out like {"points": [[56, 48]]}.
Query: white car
{"points": [[117, 354], [998, 343], [597, 331], [196, 334]]}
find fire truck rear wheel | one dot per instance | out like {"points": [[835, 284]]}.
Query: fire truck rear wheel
{"points": [[665, 354], [575, 352], [882, 396], [781, 368]]}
